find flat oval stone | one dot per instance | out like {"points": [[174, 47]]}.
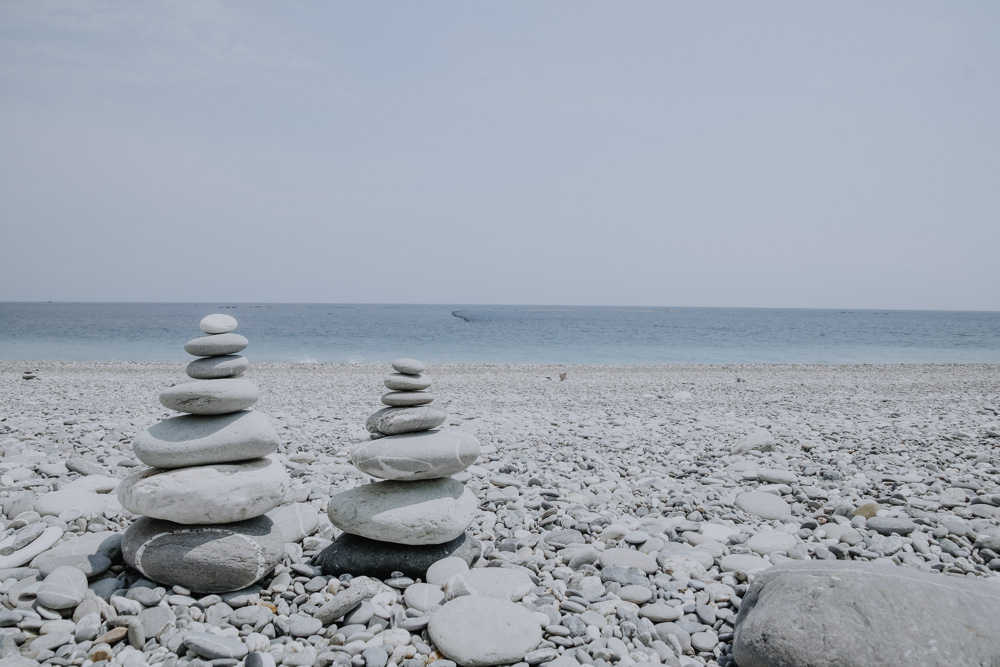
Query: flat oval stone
{"points": [[214, 493], [210, 397], [39, 545], [203, 558], [55, 503], [494, 582], [763, 504], [396, 421], [476, 631], [408, 366], [217, 324], [90, 564], [198, 440], [352, 554], [64, 588], [401, 399], [412, 456], [216, 345], [214, 368], [430, 511], [402, 382], [295, 521]]}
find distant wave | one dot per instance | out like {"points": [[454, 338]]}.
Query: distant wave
{"points": [[461, 317]]}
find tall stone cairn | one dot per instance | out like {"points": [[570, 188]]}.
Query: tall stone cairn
{"points": [[211, 478], [418, 514]]}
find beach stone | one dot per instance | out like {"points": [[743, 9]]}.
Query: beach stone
{"points": [[404, 382], [743, 563], [210, 397], [441, 571], [105, 543], [423, 597], [415, 456], [768, 541], [773, 476], [203, 558], [37, 546], [351, 554], [215, 493], [395, 421], [213, 368], [854, 614], [216, 345], [867, 510], [763, 504], [629, 558], [495, 582], [64, 588], [192, 440], [408, 366], [885, 525], [430, 511], [91, 565], [155, 620], [759, 440], [476, 631], [660, 612], [93, 484], [217, 323], [55, 503], [295, 521], [215, 647], [398, 399]]}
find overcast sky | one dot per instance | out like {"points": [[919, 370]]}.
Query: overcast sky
{"points": [[779, 154]]}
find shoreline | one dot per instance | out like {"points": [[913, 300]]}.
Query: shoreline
{"points": [[636, 458]]}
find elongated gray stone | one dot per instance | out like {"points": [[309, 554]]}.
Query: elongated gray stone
{"points": [[210, 397], [197, 440], [217, 345], [215, 647], [214, 368], [214, 493], [396, 421], [413, 456], [217, 323], [404, 382], [763, 504], [855, 614], [430, 511], [351, 554], [203, 558], [403, 399]]}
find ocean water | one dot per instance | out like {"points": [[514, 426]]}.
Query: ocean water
{"points": [[503, 334]]}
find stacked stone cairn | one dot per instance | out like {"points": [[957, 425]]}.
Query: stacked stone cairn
{"points": [[211, 478], [418, 514]]}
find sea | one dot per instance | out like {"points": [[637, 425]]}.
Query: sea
{"points": [[315, 333]]}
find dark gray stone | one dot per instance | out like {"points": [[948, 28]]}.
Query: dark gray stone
{"points": [[352, 554], [203, 557], [885, 525], [851, 614]]}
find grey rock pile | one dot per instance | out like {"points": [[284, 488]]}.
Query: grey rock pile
{"points": [[211, 479], [418, 514]]}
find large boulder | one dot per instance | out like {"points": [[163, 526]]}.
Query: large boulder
{"points": [[193, 440], [852, 614], [413, 456]]}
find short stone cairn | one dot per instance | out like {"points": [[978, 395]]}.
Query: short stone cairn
{"points": [[418, 514], [212, 480]]}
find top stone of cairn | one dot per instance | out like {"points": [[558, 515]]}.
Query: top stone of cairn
{"points": [[408, 366], [217, 324]]}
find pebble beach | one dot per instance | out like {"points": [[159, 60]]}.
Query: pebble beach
{"points": [[629, 509]]}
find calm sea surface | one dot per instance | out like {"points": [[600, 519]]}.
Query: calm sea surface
{"points": [[502, 334]]}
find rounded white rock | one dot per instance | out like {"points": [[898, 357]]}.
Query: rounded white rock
{"points": [[192, 440], [432, 511], [216, 345], [403, 382], [213, 368], [478, 631], [210, 494], [210, 397], [413, 456], [402, 399], [217, 324], [408, 366]]}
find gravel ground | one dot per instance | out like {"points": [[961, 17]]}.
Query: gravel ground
{"points": [[621, 492]]}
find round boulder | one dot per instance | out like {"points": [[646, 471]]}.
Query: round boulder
{"points": [[210, 397], [430, 511], [413, 456], [477, 631], [197, 440], [203, 558], [215, 493]]}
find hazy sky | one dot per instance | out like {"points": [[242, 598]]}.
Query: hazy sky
{"points": [[795, 154]]}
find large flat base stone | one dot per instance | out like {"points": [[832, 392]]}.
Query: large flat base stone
{"points": [[352, 554]]}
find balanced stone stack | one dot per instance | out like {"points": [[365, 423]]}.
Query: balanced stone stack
{"points": [[212, 480], [419, 514]]}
